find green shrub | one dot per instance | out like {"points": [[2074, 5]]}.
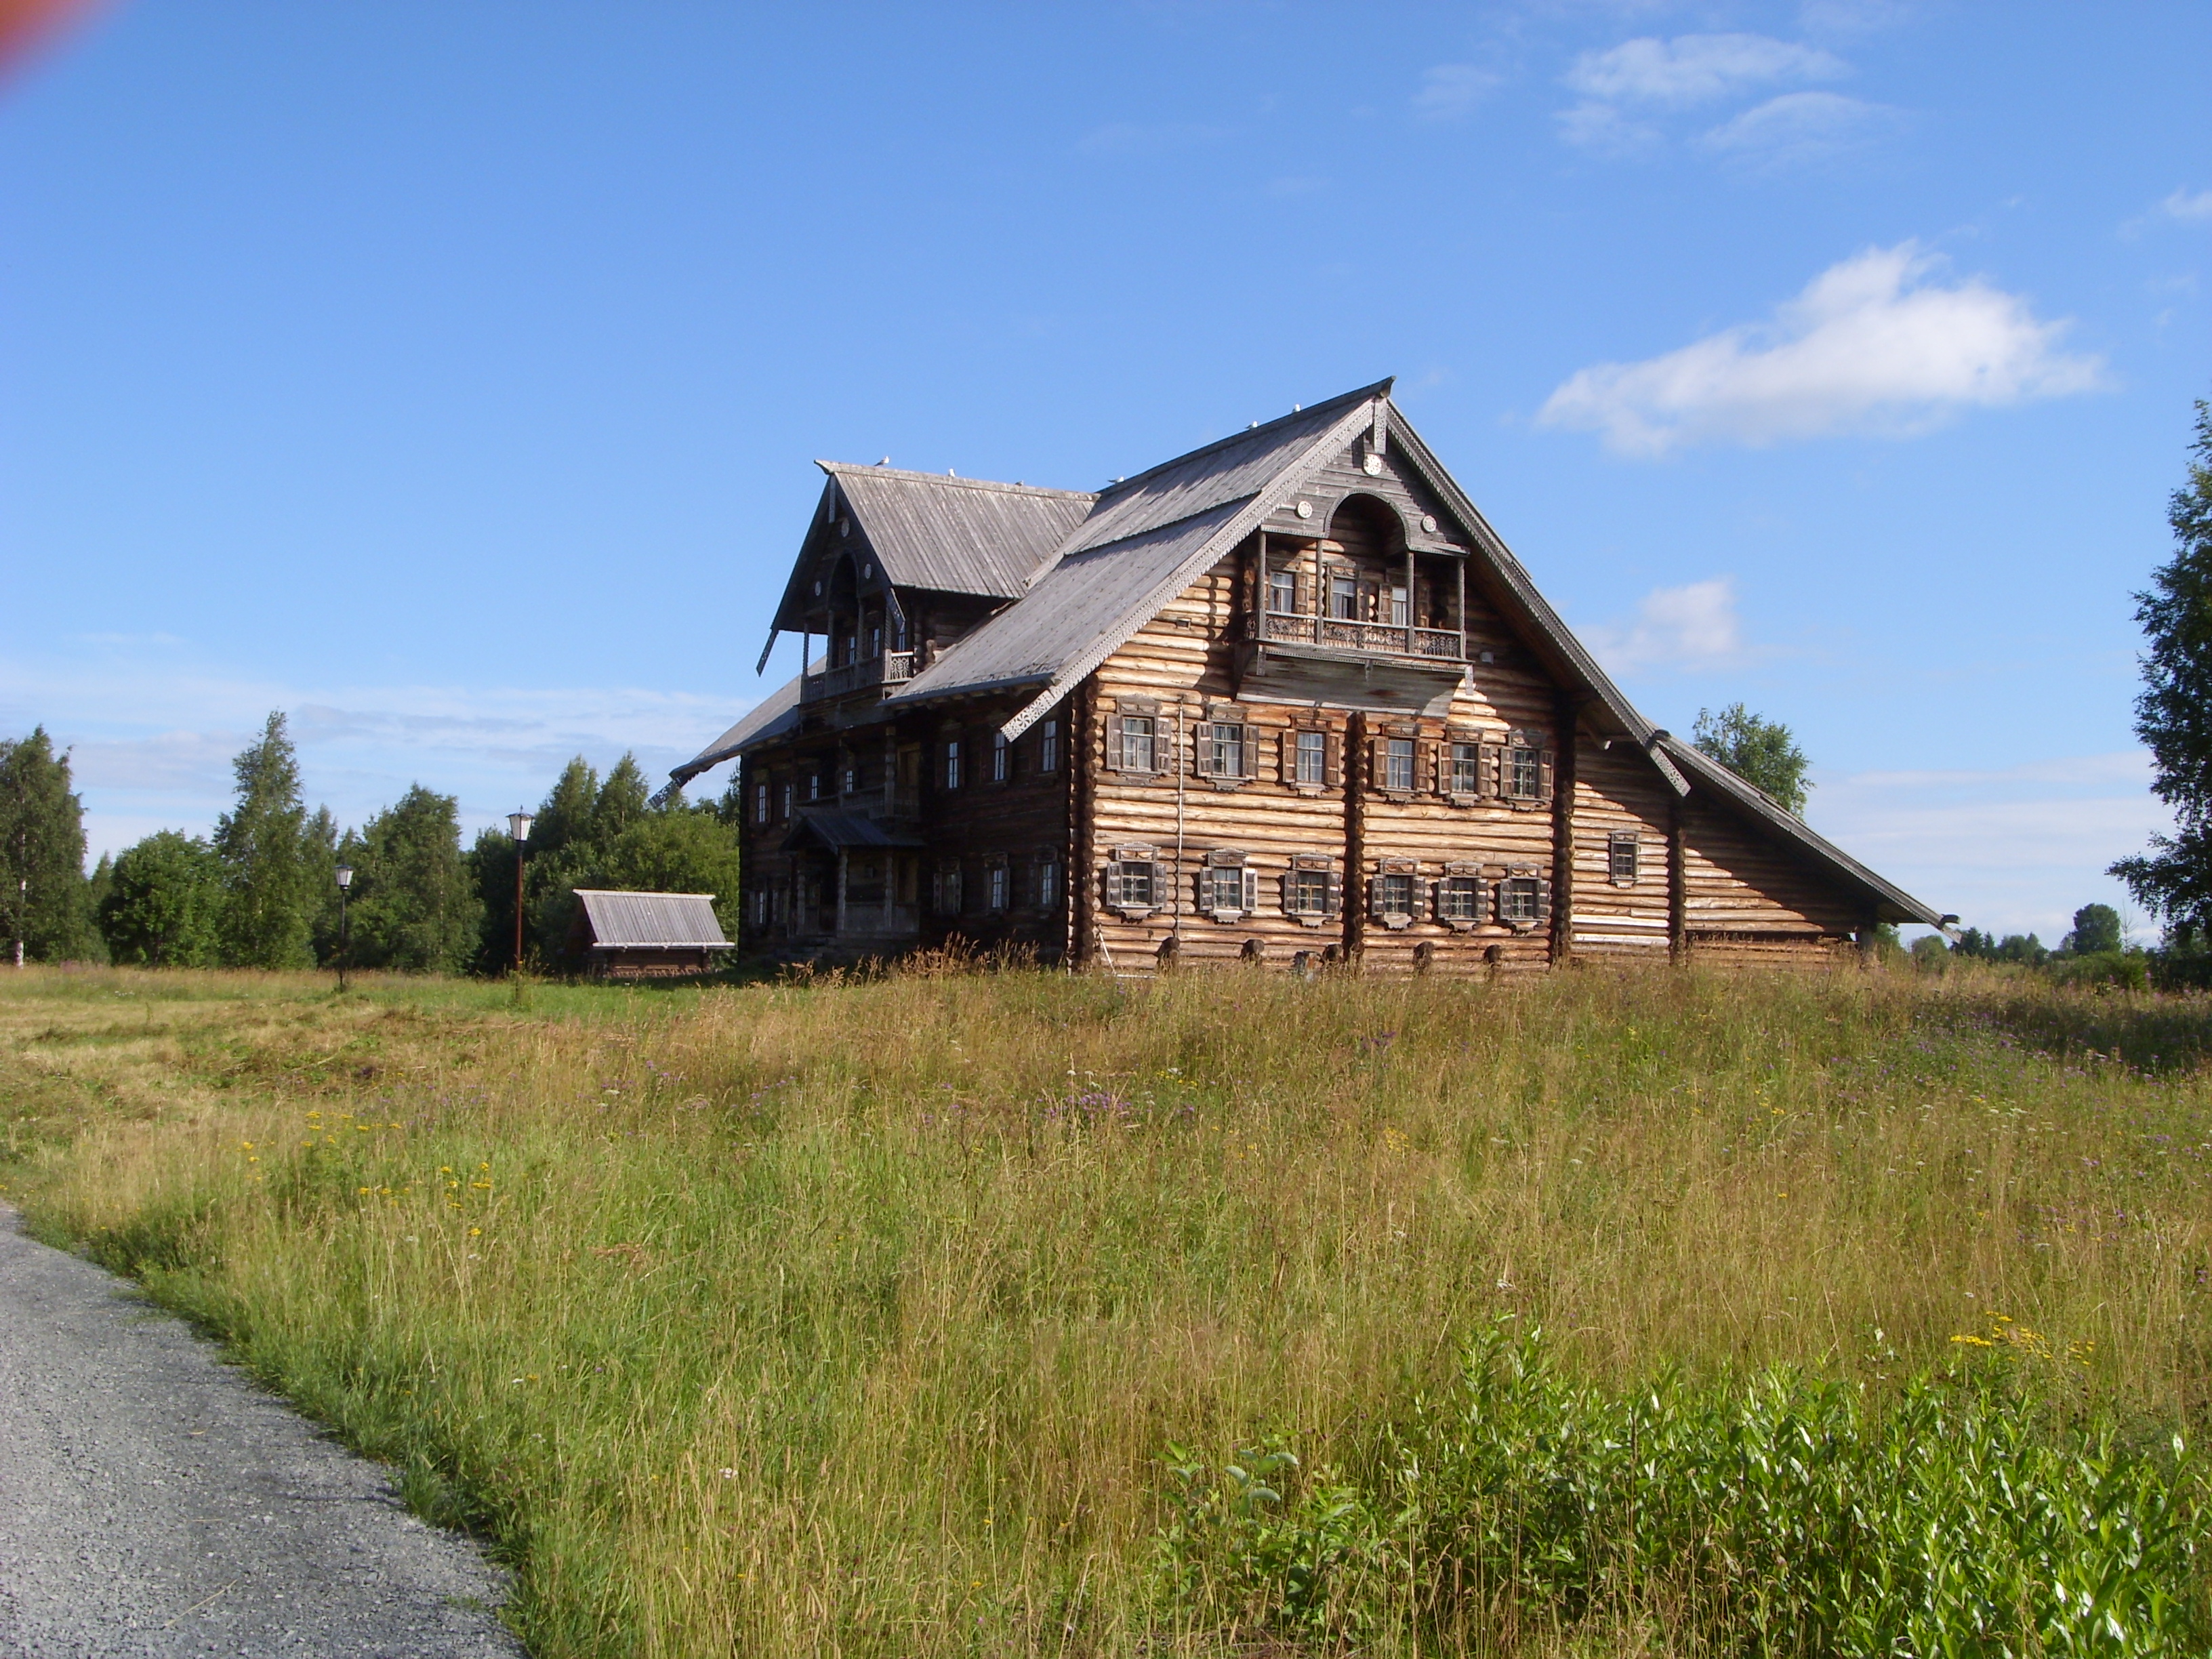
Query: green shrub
{"points": [[2128, 970], [1782, 1514]]}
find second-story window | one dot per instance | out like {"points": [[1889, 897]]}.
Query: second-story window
{"points": [[1137, 743], [783, 797], [1524, 772], [1343, 598], [876, 641], [814, 783], [1226, 745], [1001, 763], [1465, 768], [1398, 765], [1048, 747], [953, 763], [1313, 757], [1401, 611], [760, 803], [1283, 591]]}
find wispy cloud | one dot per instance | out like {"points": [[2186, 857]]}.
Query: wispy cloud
{"points": [[1872, 345], [1143, 138], [1696, 69], [1693, 626], [2185, 206], [1799, 127], [1449, 91], [2014, 849]]}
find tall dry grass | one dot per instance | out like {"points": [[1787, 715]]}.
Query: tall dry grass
{"points": [[856, 1317]]}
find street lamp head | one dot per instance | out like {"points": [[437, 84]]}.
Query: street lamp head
{"points": [[345, 875], [519, 824]]}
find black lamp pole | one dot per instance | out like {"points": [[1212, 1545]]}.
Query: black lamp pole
{"points": [[519, 824], [345, 881]]}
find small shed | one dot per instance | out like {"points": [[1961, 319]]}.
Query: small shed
{"points": [[647, 935]]}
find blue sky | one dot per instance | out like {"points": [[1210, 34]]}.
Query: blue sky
{"points": [[449, 375]]}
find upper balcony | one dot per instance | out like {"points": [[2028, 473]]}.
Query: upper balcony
{"points": [[892, 668], [1364, 638]]}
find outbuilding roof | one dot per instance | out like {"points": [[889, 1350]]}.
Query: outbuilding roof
{"points": [[650, 921]]}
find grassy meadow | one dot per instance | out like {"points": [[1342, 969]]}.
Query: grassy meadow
{"points": [[862, 1317]]}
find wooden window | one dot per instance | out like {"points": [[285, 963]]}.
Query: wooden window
{"points": [[1312, 891], [1225, 747], [1394, 892], [1524, 899], [1526, 778], [1620, 858], [1228, 885], [1001, 757], [1310, 762], [760, 803], [1463, 758], [1283, 590], [1344, 598], [945, 890], [1139, 748], [783, 798], [952, 773], [997, 894], [1134, 881], [1397, 768], [1400, 606], [760, 907], [1046, 888], [1459, 897], [814, 782], [1048, 747]]}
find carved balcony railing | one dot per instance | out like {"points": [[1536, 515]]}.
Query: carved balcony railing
{"points": [[1369, 638], [892, 668]]}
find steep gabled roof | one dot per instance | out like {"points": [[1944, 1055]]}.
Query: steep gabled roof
{"points": [[926, 531], [1147, 538]]}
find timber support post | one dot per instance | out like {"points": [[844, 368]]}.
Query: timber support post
{"points": [[1678, 885], [1084, 756], [1354, 887], [1563, 833]]}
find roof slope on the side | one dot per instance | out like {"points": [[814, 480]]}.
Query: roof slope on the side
{"points": [[948, 535], [644, 922]]}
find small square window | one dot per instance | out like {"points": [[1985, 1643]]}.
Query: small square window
{"points": [[1133, 884], [1621, 860], [1395, 893], [1520, 900], [1309, 892], [1313, 757], [1459, 898], [1225, 887]]}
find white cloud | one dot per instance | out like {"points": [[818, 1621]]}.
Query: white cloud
{"points": [[1451, 90], [1799, 127], [1136, 138], [2013, 850], [1871, 346], [2182, 205], [1694, 626], [1696, 68]]}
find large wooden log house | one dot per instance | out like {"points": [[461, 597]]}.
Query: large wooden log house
{"points": [[1287, 698]]}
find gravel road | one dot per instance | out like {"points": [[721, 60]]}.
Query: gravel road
{"points": [[154, 1503]]}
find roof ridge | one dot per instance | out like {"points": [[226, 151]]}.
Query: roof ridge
{"points": [[1379, 389], [838, 469]]}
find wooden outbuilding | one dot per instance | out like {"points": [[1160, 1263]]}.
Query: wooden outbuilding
{"points": [[1286, 699], [647, 935]]}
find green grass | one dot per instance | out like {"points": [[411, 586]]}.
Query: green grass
{"points": [[860, 1317]]}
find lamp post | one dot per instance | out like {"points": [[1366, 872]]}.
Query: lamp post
{"points": [[518, 824], [345, 881]]}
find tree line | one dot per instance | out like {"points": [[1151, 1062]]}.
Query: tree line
{"points": [[262, 890]]}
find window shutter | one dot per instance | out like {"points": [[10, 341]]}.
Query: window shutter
{"points": [[1286, 755], [1333, 904], [1251, 889], [1114, 750], [1544, 774], [1375, 753], [1287, 883], [1424, 768], [1332, 773], [1490, 786], [1159, 879], [1248, 752], [1543, 902], [1202, 735], [1375, 897], [1419, 907]]}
